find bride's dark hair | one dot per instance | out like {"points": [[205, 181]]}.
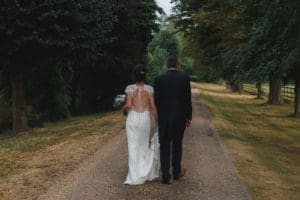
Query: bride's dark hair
{"points": [[139, 73]]}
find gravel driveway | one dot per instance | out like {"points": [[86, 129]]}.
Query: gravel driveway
{"points": [[210, 172]]}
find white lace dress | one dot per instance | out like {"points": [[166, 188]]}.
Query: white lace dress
{"points": [[143, 154]]}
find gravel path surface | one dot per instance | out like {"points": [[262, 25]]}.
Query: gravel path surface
{"points": [[210, 172]]}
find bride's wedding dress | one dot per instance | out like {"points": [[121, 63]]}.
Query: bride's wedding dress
{"points": [[143, 153]]}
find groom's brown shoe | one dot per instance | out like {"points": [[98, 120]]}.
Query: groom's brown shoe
{"points": [[182, 173], [166, 182]]}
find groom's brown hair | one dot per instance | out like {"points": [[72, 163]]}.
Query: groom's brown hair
{"points": [[172, 62]]}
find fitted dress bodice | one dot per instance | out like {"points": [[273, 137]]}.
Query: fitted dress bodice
{"points": [[140, 97]]}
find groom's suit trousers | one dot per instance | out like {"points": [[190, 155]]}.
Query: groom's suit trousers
{"points": [[167, 144]]}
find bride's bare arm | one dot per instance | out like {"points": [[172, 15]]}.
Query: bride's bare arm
{"points": [[128, 104], [153, 107]]}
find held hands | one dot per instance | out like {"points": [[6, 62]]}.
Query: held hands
{"points": [[188, 123], [155, 123], [126, 107], [155, 126]]}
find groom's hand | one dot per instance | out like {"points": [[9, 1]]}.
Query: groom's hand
{"points": [[188, 123]]}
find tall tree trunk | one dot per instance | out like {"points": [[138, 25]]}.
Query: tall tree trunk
{"points": [[259, 90], [275, 96], [297, 95], [236, 87], [20, 120]]}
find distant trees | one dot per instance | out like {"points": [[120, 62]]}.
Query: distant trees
{"points": [[60, 57], [163, 45], [246, 40], [212, 29], [167, 42]]}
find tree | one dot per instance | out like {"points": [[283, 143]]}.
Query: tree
{"points": [[293, 61], [272, 37], [212, 28], [135, 24], [48, 33], [245, 40]]}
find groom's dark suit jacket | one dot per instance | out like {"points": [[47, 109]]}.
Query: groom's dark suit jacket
{"points": [[172, 92]]}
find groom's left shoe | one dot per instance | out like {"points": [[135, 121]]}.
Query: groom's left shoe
{"points": [[182, 173], [166, 182]]}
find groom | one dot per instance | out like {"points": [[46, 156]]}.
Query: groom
{"points": [[173, 101]]}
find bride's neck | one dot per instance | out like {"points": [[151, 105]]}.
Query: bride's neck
{"points": [[140, 83]]}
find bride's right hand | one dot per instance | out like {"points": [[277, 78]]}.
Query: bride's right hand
{"points": [[126, 107]]}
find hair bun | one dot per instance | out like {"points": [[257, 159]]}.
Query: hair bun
{"points": [[140, 72]]}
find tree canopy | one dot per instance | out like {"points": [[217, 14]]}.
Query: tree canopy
{"points": [[62, 57], [243, 41]]}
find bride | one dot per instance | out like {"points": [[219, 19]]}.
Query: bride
{"points": [[143, 155]]}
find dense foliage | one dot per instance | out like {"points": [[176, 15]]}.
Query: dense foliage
{"points": [[168, 42], [93, 88], [244, 41], [163, 45], [62, 57]]}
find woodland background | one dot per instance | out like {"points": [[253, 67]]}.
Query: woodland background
{"points": [[62, 58]]}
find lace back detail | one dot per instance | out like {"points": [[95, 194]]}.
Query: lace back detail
{"points": [[140, 96]]}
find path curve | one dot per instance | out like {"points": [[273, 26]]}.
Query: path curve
{"points": [[210, 172]]}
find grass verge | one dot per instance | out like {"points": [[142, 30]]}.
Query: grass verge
{"points": [[263, 141], [30, 162]]}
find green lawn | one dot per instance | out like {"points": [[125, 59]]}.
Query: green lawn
{"points": [[264, 142]]}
